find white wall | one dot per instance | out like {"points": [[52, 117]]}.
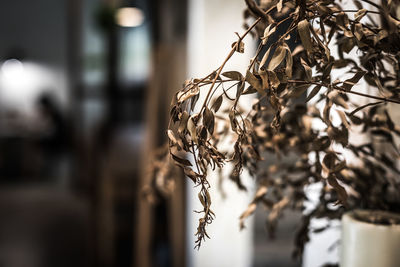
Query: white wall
{"points": [[211, 32]]}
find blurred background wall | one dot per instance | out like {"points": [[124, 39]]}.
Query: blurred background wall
{"points": [[209, 38]]}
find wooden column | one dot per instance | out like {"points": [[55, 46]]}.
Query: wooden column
{"points": [[168, 74]]}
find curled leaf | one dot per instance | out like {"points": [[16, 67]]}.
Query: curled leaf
{"points": [[181, 161], [267, 33], [342, 194], [277, 58], [234, 75], [307, 69], [360, 14], [171, 136], [253, 81]]}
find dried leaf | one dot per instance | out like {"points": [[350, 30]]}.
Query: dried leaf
{"points": [[360, 14], [233, 121], [349, 83], [183, 121], [298, 90], [239, 48], [328, 163], [181, 161], [250, 210], [326, 112], [208, 120], [289, 63], [191, 126], [185, 95], [343, 118], [262, 190], [191, 174], [337, 98], [240, 88], [264, 58], [277, 58], [171, 136], [217, 103], [253, 81], [202, 201], [234, 75], [267, 33], [279, 6], [342, 194], [313, 92], [307, 69], [304, 31], [273, 79]]}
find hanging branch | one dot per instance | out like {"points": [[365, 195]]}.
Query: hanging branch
{"points": [[294, 57]]}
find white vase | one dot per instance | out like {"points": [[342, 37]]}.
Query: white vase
{"points": [[367, 244]]}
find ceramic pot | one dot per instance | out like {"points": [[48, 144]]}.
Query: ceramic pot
{"points": [[367, 244]]}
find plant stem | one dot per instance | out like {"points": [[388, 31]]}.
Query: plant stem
{"points": [[354, 11], [372, 4], [347, 91], [226, 60]]}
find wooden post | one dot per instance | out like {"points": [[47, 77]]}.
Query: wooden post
{"points": [[168, 73]]}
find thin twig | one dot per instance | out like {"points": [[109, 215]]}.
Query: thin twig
{"points": [[347, 91], [226, 60]]}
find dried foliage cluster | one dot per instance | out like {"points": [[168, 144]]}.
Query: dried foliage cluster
{"points": [[294, 54]]}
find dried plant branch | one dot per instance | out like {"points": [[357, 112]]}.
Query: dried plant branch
{"points": [[294, 54]]}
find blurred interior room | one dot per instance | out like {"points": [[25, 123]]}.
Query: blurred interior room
{"points": [[85, 94], [85, 88]]}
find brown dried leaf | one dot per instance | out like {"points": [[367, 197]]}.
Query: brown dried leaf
{"points": [[217, 103], [267, 33], [191, 126], [249, 211], [182, 96], [171, 136], [253, 81], [289, 63], [328, 163], [277, 58], [342, 194], [234, 75], [208, 120], [191, 174], [338, 99], [239, 48], [183, 121], [349, 83], [265, 58], [343, 118], [360, 14], [298, 90], [279, 6], [181, 161], [307, 69], [313, 92], [304, 31]]}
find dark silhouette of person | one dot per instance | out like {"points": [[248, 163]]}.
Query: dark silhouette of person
{"points": [[55, 141]]}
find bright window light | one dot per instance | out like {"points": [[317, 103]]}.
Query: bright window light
{"points": [[12, 69], [21, 83], [129, 17]]}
